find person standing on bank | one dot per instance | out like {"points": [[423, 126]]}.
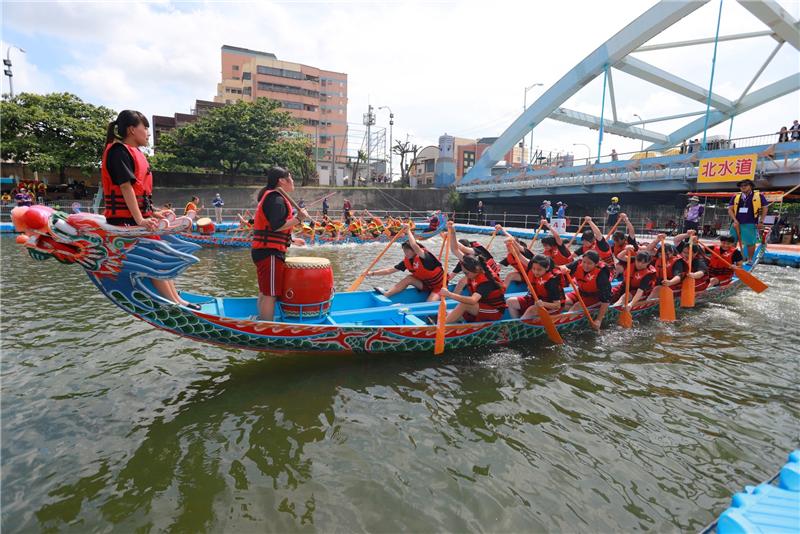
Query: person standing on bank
{"points": [[692, 214], [325, 206], [272, 235], [128, 184], [218, 203], [613, 210], [747, 210]]}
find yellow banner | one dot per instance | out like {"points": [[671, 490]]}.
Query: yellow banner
{"points": [[727, 168]]}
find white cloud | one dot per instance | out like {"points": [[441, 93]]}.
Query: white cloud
{"points": [[456, 67], [27, 76]]}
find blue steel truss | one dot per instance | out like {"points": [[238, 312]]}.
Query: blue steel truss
{"points": [[614, 54]]}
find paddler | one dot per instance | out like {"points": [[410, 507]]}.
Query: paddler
{"points": [[593, 239], [465, 247], [433, 222], [554, 247], [718, 271], [272, 236], [699, 267], [510, 261], [425, 271], [546, 279], [654, 247], [594, 282], [642, 278], [485, 299], [621, 241]]}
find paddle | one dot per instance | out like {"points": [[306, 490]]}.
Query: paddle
{"points": [[688, 284], [441, 249], [544, 315], [625, 319], [580, 298], [580, 227], [363, 275], [666, 298], [613, 228], [494, 233], [438, 345], [745, 276], [535, 235]]}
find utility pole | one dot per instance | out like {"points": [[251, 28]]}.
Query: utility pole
{"points": [[7, 71], [391, 123], [369, 120], [333, 162]]}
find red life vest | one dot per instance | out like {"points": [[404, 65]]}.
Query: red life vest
{"points": [[717, 267], [496, 299], [263, 235], [606, 256], [587, 281], [638, 275], [617, 248], [433, 223], [431, 278], [115, 206], [670, 266], [539, 283], [512, 262], [555, 254]]}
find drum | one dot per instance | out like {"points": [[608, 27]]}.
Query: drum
{"points": [[307, 288], [205, 226]]}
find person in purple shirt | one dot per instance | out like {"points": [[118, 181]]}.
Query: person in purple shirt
{"points": [[747, 210], [23, 198], [692, 214]]}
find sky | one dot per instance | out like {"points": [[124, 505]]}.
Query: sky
{"points": [[441, 66]]}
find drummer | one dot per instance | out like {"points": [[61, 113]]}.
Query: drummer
{"points": [[426, 272], [272, 235]]}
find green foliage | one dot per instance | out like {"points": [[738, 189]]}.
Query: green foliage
{"points": [[454, 199], [788, 208], [53, 131], [237, 138]]}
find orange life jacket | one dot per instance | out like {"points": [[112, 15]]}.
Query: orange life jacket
{"points": [[606, 256], [717, 267], [432, 278], [496, 299], [115, 206], [540, 283], [639, 274], [555, 254], [263, 235], [587, 281]]}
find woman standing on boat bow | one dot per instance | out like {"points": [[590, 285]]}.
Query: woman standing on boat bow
{"points": [[272, 236], [128, 184]]}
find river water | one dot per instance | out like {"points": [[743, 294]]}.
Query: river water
{"points": [[111, 425]]}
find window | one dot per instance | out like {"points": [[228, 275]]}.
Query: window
{"points": [[429, 165], [323, 139], [236, 67], [246, 76], [277, 88], [248, 91], [283, 73]]}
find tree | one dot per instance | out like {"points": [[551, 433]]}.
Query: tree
{"points": [[53, 131], [235, 138], [293, 152], [360, 156], [404, 149]]}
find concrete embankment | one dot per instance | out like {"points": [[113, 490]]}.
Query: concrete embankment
{"points": [[372, 198]]}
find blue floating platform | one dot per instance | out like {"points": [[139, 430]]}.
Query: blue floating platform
{"points": [[766, 508]]}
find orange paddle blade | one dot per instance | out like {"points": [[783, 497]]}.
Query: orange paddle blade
{"points": [[625, 319], [687, 293], [438, 346], [752, 282], [666, 306], [550, 326]]}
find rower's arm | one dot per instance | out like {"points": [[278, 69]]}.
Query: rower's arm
{"points": [[466, 299], [629, 227], [679, 238], [598, 234], [418, 250], [455, 246], [553, 232], [636, 297], [383, 272], [602, 312]]}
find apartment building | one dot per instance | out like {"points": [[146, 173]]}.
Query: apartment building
{"points": [[162, 123], [314, 96]]}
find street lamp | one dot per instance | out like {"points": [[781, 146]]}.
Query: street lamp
{"points": [[643, 123], [7, 71], [588, 150], [391, 123], [524, 108]]}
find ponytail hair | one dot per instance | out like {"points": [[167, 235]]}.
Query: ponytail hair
{"points": [[274, 174], [118, 128], [472, 263]]}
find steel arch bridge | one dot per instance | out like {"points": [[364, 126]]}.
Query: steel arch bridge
{"points": [[615, 54]]}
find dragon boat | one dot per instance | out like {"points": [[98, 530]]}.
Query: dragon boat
{"points": [[244, 239], [122, 261]]}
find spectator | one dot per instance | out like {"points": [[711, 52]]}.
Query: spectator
{"points": [[218, 203], [548, 211], [480, 211], [783, 135], [543, 210], [692, 214], [325, 206], [5, 198], [302, 203], [23, 198], [191, 208], [613, 210], [683, 147], [560, 221], [346, 206], [795, 129], [614, 155]]}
